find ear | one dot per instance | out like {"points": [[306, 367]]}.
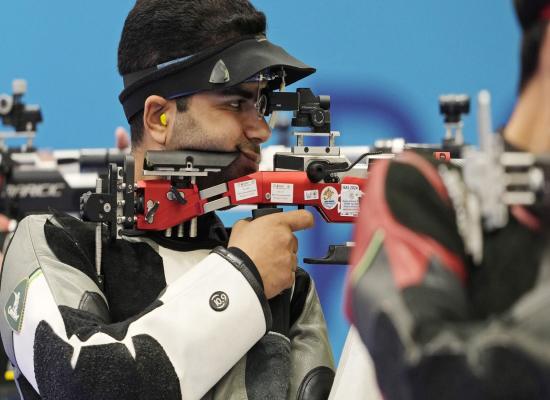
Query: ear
{"points": [[154, 107]]}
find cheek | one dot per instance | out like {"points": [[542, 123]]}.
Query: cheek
{"points": [[225, 128], [216, 133]]}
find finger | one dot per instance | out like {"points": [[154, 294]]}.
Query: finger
{"points": [[294, 265], [297, 220], [122, 138], [4, 223], [294, 244]]}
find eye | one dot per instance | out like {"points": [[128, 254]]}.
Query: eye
{"points": [[237, 104]]}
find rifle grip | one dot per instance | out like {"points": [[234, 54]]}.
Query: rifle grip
{"points": [[264, 210]]}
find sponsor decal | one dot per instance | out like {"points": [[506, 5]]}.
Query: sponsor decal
{"points": [[329, 197]]}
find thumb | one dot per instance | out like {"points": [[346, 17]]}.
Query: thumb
{"points": [[240, 224]]}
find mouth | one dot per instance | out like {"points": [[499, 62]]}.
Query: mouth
{"points": [[252, 156], [247, 165]]}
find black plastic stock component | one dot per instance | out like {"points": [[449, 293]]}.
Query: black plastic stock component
{"points": [[180, 159], [337, 255]]}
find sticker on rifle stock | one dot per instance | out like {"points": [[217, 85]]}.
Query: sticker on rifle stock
{"points": [[349, 200], [282, 192], [311, 195], [329, 197], [246, 190]]}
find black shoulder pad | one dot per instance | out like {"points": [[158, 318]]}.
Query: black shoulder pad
{"points": [[316, 384]]}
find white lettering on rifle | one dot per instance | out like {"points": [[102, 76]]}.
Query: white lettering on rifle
{"points": [[35, 190]]}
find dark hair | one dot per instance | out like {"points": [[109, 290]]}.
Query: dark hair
{"points": [[533, 28], [157, 31]]}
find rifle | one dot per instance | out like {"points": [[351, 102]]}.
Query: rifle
{"points": [[314, 174], [33, 181]]}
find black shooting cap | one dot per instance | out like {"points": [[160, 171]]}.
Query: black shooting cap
{"points": [[225, 65], [530, 12]]}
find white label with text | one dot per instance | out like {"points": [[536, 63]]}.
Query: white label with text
{"points": [[246, 190], [282, 192], [311, 195], [349, 200]]}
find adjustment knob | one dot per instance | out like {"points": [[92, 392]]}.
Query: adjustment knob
{"points": [[318, 118], [453, 106], [6, 104], [317, 171], [19, 87]]}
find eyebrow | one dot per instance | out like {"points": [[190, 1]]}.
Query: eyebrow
{"points": [[238, 91]]}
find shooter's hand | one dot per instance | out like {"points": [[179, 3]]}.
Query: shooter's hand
{"points": [[270, 243]]}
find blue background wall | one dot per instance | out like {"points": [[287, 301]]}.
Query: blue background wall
{"points": [[383, 62]]}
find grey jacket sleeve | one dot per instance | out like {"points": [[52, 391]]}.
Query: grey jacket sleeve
{"points": [[312, 364], [291, 362], [57, 331]]}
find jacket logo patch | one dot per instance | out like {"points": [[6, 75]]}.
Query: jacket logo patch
{"points": [[15, 307], [219, 301]]}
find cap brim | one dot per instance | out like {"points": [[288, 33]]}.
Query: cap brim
{"points": [[242, 60]]}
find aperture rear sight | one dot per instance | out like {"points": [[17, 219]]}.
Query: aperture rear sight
{"points": [[309, 110], [13, 112]]}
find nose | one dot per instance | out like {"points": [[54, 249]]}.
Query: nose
{"points": [[256, 128]]}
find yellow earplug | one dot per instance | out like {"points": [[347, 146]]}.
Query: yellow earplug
{"points": [[163, 119], [9, 375]]}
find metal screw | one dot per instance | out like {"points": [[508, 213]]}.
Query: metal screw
{"points": [[268, 196], [107, 207], [121, 202], [170, 196]]}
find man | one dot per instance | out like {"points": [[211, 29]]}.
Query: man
{"points": [[171, 318], [449, 309]]}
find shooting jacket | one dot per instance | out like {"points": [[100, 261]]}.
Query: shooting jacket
{"points": [[172, 319], [437, 324]]}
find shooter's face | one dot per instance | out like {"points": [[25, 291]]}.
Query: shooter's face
{"points": [[224, 120]]}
